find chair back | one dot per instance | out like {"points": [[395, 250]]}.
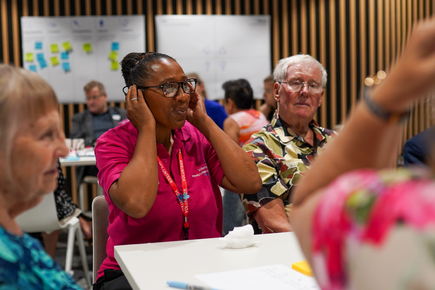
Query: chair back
{"points": [[41, 218], [100, 222]]}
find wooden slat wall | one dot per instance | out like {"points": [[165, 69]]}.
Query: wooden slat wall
{"points": [[352, 39]]}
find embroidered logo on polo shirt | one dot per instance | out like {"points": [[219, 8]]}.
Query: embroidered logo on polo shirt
{"points": [[202, 171]]}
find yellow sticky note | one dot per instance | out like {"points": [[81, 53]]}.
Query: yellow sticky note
{"points": [[303, 267], [114, 65], [54, 48], [113, 55], [29, 57], [54, 61], [67, 46], [87, 47]]}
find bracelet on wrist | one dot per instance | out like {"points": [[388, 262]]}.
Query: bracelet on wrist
{"points": [[378, 111]]}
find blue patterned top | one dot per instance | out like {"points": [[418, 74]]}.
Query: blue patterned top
{"points": [[24, 264]]}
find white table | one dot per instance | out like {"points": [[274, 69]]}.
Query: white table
{"points": [[150, 266], [81, 161]]}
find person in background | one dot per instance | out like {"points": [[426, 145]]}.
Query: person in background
{"points": [[214, 110], [269, 106], [362, 223], [241, 123], [416, 150], [242, 119], [93, 122], [31, 142], [161, 174], [98, 116], [284, 149]]}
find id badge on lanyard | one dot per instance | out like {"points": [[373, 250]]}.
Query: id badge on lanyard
{"points": [[182, 198]]}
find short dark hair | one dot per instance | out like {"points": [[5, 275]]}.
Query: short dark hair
{"points": [[240, 92], [135, 66]]}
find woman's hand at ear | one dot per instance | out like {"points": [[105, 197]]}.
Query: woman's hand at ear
{"points": [[196, 114], [138, 111]]}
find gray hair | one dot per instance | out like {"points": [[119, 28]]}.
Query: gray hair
{"points": [[24, 96], [280, 72]]}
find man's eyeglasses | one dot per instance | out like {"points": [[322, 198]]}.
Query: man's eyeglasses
{"points": [[297, 85], [93, 98], [170, 89]]}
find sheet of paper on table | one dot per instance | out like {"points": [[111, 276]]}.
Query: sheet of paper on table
{"points": [[271, 277]]}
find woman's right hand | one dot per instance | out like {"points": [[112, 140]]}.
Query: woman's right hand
{"points": [[138, 111]]}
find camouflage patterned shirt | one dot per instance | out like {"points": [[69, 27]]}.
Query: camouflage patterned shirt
{"points": [[282, 157]]}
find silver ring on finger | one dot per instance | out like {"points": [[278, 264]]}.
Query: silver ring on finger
{"points": [[133, 99]]}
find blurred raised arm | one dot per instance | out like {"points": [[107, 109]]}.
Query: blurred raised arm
{"points": [[368, 141]]}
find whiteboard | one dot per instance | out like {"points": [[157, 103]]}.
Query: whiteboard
{"points": [[218, 47], [68, 52]]}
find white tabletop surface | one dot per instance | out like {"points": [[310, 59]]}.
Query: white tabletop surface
{"points": [[150, 266], [81, 161]]}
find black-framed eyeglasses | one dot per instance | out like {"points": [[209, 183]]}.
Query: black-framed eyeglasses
{"points": [[297, 85], [170, 89]]}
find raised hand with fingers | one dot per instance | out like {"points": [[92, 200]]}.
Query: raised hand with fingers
{"points": [[138, 111], [196, 114]]}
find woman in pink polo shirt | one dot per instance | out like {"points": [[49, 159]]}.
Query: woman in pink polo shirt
{"points": [[161, 174]]}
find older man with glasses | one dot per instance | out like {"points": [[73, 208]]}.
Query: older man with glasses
{"points": [[284, 149]]}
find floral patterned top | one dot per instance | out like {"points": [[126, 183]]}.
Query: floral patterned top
{"points": [[359, 215], [24, 264], [282, 157]]}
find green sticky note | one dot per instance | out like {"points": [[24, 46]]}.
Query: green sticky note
{"points": [[54, 61], [67, 46], [87, 47], [113, 55], [29, 57], [114, 65], [54, 48]]}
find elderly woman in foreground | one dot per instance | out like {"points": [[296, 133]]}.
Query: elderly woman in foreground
{"points": [[31, 143], [360, 224]]}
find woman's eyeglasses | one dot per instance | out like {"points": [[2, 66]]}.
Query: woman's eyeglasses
{"points": [[170, 89]]}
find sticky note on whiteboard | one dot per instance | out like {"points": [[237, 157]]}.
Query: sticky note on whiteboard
{"points": [[303, 267], [38, 45], [87, 47], [29, 57], [67, 46], [54, 48], [54, 61]]}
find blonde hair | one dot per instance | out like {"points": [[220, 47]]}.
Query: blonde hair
{"points": [[24, 96]]}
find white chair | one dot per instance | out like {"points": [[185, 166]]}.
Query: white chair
{"points": [[43, 218]]}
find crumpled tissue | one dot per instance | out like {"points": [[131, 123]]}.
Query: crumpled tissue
{"points": [[240, 237]]}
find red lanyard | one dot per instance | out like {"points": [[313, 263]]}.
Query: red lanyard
{"points": [[181, 197]]}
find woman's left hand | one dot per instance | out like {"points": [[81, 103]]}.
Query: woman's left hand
{"points": [[196, 114]]}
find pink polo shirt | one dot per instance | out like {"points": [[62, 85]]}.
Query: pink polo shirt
{"points": [[164, 222]]}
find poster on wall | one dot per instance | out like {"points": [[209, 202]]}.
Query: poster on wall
{"points": [[218, 47], [68, 52]]}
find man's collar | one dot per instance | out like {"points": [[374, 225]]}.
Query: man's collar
{"points": [[285, 133]]}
